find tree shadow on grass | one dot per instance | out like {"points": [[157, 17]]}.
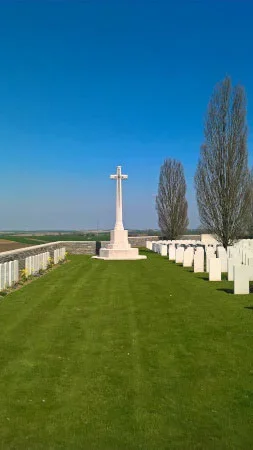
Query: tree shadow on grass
{"points": [[248, 307]]}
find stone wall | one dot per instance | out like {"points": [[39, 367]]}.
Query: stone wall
{"points": [[208, 239], [135, 241], [140, 241], [191, 237], [80, 247], [22, 253], [74, 247]]}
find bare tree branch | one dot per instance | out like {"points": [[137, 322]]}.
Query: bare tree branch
{"points": [[171, 204]]}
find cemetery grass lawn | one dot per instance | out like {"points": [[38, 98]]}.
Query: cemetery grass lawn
{"points": [[126, 355]]}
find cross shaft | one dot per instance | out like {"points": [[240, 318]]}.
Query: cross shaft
{"points": [[119, 177]]}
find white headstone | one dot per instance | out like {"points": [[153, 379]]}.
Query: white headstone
{"points": [[44, 261], [231, 263], [28, 265], [250, 272], [224, 263], [230, 251], [179, 255], [199, 262], [208, 258], [6, 275], [36, 259], [241, 280], [188, 257], [1, 277], [221, 252], [172, 252], [154, 245], [48, 258], [32, 265], [149, 245], [11, 273], [163, 250], [16, 272], [215, 269]]}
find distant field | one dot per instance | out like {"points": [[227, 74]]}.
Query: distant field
{"points": [[7, 245], [76, 237], [30, 240], [23, 240]]}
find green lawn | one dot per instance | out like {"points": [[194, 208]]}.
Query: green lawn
{"points": [[126, 355]]}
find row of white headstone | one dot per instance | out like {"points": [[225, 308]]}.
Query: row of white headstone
{"points": [[9, 274], [59, 255], [236, 261], [9, 271], [35, 263]]}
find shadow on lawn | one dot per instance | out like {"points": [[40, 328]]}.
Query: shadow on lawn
{"points": [[188, 269], [205, 278], [227, 290], [231, 291]]}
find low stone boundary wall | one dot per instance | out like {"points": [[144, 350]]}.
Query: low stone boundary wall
{"points": [[135, 241], [140, 241], [190, 237], [22, 253], [74, 247], [81, 247]]}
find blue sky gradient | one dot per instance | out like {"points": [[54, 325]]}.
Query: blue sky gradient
{"points": [[88, 85]]}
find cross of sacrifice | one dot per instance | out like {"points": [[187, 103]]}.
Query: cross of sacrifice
{"points": [[119, 177]]}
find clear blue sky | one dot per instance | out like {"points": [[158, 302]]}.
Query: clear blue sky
{"points": [[88, 85]]}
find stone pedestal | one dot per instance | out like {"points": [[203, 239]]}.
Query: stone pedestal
{"points": [[119, 238], [119, 248]]}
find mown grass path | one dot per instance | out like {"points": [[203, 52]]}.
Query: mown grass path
{"points": [[125, 355]]}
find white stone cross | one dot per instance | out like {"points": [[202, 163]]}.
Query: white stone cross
{"points": [[119, 177]]}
